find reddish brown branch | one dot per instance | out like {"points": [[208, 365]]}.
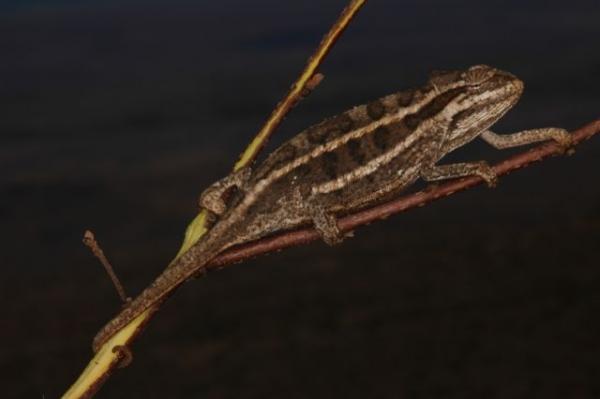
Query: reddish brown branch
{"points": [[350, 222]]}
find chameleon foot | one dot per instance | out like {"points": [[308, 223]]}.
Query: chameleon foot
{"points": [[564, 140], [487, 173], [326, 225]]}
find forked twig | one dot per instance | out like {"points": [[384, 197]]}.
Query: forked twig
{"points": [[106, 360], [90, 241]]}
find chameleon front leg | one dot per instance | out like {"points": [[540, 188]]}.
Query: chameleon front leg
{"points": [[211, 199], [324, 222], [451, 171], [501, 141]]}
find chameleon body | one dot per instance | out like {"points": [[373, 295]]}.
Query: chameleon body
{"points": [[347, 162]]}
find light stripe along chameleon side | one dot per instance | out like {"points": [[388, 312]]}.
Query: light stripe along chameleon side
{"points": [[347, 162]]}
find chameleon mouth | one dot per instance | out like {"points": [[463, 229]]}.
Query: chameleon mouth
{"points": [[514, 90], [517, 86]]}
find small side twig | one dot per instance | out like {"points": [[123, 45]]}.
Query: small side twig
{"points": [[304, 81], [311, 85], [90, 241]]}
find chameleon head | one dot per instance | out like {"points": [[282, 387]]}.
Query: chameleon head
{"points": [[482, 87], [489, 94], [486, 94]]}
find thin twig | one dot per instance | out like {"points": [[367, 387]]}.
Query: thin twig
{"points": [[306, 82], [105, 362], [90, 241], [382, 211], [296, 91]]}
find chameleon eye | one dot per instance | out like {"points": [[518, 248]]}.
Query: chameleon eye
{"points": [[478, 74]]}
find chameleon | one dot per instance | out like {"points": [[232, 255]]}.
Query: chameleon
{"points": [[347, 162]]}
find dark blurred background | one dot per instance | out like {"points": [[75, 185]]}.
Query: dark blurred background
{"points": [[116, 114]]}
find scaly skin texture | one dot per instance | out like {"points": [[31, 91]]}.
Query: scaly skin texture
{"points": [[350, 161]]}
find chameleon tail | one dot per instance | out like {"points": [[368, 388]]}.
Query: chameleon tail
{"points": [[183, 268]]}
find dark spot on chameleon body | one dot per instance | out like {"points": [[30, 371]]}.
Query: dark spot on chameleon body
{"points": [[305, 191], [316, 135], [404, 98], [330, 129], [232, 197], [381, 137], [464, 114], [302, 171], [412, 121], [302, 176], [286, 153], [345, 123], [434, 107], [375, 110], [329, 162], [325, 132], [462, 117], [281, 157], [356, 152]]}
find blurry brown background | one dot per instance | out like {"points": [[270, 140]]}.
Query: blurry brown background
{"points": [[114, 116]]}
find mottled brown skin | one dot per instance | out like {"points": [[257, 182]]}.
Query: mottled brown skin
{"points": [[347, 162]]}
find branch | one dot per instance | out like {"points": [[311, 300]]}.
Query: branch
{"points": [[350, 222], [110, 356], [304, 81], [382, 211], [308, 80]]}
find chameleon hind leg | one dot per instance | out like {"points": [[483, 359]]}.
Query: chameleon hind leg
{"points": [[211, 199], [324, 222], [451, 171]]}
